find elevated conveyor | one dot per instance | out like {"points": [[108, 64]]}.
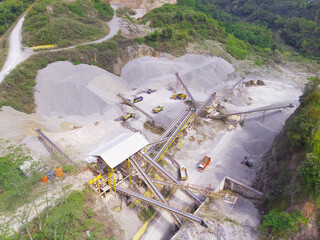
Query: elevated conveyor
{"points": [[253, 111], [210, 98], [170, 128], [139, 109], [166, 207], [230, 90], [170, 177], [174, 135], [53, 145], [188, 92], [152, 187]]}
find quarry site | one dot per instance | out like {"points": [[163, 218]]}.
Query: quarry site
{"points": [[131, 149]]}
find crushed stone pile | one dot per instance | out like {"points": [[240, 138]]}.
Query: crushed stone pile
{"points": [[63, 88], [198, 72]]}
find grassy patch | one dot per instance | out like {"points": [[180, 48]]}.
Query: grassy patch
{"points": [[72, 218], [65, 24], [177, 26], [4, 46], [125, 12], [16, 187], [146, 214]]}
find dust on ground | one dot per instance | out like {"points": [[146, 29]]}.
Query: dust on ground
{"points": [[77, 107]]}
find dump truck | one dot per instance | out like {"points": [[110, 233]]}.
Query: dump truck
{"points": [[157, 109], [127, 116], [179, 96], [204, 163], [137, 99], [183, 173]]}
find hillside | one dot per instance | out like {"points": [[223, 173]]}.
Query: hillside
{"points": [[66, 23], [290, 173], [296, 23]]}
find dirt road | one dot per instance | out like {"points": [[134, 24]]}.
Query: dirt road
{"points": [[17, 54]]}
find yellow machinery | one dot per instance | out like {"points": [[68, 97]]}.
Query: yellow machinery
{"points": [[127, 116], [179, 96], [157, 109]]}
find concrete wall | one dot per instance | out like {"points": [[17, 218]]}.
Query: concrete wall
{"points": [[240, 188]]}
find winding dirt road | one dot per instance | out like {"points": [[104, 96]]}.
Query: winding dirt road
{"points": [[18, 53]]}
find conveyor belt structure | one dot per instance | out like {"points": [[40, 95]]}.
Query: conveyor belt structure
{"points": [[53, 145], [166, 207]]}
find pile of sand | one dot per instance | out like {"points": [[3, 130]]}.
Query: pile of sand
{"points": [[63, 88], [198, 72]]}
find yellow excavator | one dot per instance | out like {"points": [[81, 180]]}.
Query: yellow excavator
{"points": [[179, 96]]}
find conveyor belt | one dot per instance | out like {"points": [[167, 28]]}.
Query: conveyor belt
{"points": [[158, 141], [136, 107], [231, 89], [55, 146], [163, 206], [210, 98], [189, 94], [174, 135], [169, 176], [152, 187], [170, 128], [253, 111]]}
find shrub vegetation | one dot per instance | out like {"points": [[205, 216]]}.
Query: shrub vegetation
{"points": [[65, 24]]}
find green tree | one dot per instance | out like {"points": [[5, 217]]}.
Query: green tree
{"points": [[311, 173], [281, 224], [15, 185]]}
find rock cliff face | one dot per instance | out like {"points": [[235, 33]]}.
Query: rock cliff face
{"points": [[145, 4]]}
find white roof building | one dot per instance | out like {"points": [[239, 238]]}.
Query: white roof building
{"points": [[119, 149]]}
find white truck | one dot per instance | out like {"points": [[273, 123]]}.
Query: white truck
{"points": [[183, 173]]}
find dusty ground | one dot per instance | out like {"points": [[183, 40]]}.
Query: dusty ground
{"points": [[77, 107]]}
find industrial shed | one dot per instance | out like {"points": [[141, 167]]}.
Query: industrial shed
{"points": [[119, 149]]}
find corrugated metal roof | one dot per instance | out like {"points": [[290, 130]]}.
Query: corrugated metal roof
{"points": [[121, 148]]}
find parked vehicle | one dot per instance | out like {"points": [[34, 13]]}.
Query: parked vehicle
{"points": [[137, 99], [179, 96], [127, 116], [157, 109], [183, 173], [204, 163]]}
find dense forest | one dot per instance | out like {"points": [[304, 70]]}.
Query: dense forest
{"points": [[290, 176], [294, 22], [10, 10]]}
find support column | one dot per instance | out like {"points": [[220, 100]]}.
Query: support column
{"points": [[193, 125], [109, 180], [128, 171], [145, 161], [99, 187], [114, 183]]}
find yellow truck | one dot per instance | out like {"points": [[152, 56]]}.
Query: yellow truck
{"points": [[183, 173], [157, 109], [179, 96], [127, 116]]}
